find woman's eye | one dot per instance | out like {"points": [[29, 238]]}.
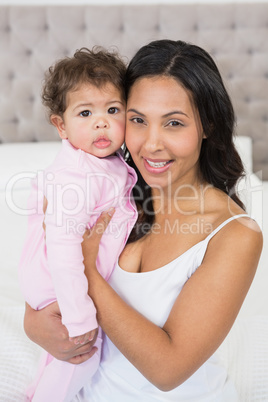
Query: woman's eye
{"points": [[113, 110], [174, 123], [137, 120], [85, 113]]}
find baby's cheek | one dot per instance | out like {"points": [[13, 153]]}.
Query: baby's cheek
{"points": [[121, 129], [122, 124]]}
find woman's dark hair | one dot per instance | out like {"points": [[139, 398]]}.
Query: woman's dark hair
{"points": [[219, 163]]}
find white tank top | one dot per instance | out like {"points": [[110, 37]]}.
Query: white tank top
{"points": [[153, 294]]}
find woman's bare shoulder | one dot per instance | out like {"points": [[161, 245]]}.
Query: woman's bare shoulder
{"points": [[241, 231], [236, 247]]}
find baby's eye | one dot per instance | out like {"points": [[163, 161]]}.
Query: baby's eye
{"points": [[137, 120], [113, 110], [85, 113]]}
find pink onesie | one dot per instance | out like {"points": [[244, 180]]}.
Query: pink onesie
{"points": [[78, 187]]}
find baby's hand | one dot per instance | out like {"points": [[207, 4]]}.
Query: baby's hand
{"points": [[85, 338]]}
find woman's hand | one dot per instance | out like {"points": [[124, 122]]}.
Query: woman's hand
{"points": [[91, 242], [44, 327]]}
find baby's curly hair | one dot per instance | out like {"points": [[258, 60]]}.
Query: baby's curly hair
{"points": [[97, 67]]}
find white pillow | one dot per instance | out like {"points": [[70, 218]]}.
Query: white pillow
{"points": [[250, 188], [20, 161], [244, 146]]}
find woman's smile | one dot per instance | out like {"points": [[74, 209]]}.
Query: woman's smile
{"points": [[157, 165], [165, 138]]}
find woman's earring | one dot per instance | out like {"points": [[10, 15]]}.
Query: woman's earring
{"points": [[226, 185]]}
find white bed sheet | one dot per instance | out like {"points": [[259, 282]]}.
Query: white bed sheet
{"points": [[245, 351]]}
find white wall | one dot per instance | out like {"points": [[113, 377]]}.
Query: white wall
{"points": [[110, 2]]}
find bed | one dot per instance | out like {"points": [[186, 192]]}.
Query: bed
{"points": [[33, 37]]}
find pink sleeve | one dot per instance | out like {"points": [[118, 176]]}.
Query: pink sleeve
{"points": [[66, 219]]}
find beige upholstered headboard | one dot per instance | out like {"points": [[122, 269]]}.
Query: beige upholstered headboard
{"points": [[32, 37]]}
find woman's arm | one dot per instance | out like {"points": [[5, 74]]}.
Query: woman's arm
{"points": [[200, 318], [44, 327], [199, 321]]}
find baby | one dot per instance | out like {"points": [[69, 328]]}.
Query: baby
{"points": [[85, 98]]}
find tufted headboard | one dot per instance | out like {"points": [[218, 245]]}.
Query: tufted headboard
{"points": [[33, 37]]}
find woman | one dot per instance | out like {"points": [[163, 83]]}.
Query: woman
{"points": [[190, 260]]}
